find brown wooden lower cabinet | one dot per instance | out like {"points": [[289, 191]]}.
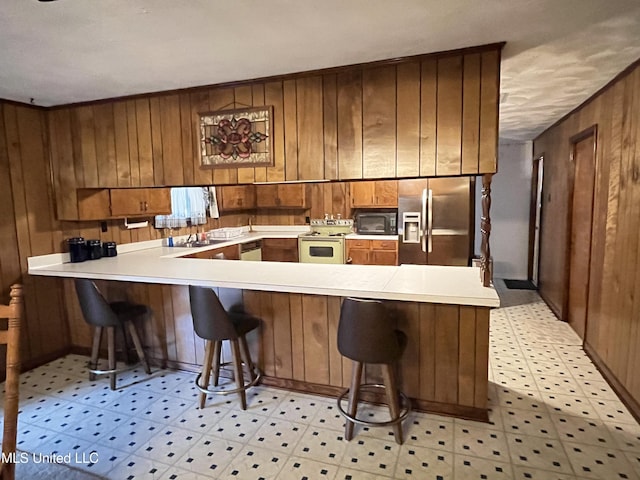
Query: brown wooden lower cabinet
{"points": [[444, 368], [372, 252], [280, 249]]}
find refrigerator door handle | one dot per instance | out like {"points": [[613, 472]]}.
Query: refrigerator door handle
{"points": [[423, 221], [430, 222]]}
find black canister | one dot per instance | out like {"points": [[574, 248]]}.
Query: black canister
{"points": [[109, 249], [94, 249], [77, 249]]}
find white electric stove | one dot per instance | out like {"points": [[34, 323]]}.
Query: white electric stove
{"points": [[325, 242]]}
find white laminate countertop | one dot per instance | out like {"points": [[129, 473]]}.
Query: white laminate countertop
{"points": [[360, 236], [151, 262]]}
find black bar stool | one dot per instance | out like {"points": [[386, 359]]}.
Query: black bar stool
{"points": [[214, 324], [366, 335], [104, 315]]}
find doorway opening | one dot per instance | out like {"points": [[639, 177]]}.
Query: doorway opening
{"points": [[535, 216], [580, 218]]}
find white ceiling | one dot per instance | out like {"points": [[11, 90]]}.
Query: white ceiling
{"points": [[558, 52]]}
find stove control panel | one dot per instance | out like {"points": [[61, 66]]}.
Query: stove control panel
{"points": [[331, 222]]}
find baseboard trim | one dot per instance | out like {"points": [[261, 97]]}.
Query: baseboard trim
{"points": [[458, 411], [550, 304], [630, 402]]}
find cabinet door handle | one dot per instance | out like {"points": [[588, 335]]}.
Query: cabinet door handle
{"points": [[146, 206], [142, 206]]}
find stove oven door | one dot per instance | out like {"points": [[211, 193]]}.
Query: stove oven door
{"points": [[325, 250]]}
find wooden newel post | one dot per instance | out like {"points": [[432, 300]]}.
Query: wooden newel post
{"points": [[11, 337], [486, 262]]}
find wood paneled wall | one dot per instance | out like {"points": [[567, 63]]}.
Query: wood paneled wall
{"points": [[424, 116], [613, 316], [28, 227]]}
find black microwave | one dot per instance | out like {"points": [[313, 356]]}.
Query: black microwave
{"points": [[377, 222]]}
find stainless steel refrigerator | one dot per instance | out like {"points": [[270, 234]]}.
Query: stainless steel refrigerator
{"points": [[435, 221]]}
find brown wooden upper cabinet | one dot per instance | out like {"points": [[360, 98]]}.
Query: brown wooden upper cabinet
{"points": [[236, 197], [131, 202], [379, 193], [103, 203], [282, 195]]}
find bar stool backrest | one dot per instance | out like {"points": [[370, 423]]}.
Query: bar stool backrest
{"points": [[366, 332], [210, 319], [95, 308]]}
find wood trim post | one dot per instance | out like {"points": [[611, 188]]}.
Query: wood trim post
{"points": [[486, 262], [14, 313]]}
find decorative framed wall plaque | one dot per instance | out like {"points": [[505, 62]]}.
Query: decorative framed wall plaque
{"points": [[236, 138]]}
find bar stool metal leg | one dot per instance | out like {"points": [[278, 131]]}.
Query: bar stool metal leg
{"points": [[356, 376]]}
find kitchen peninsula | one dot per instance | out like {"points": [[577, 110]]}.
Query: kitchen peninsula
{"points": [[443, 310]]}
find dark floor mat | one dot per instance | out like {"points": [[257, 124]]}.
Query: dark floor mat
{"points": [[520, 285]]}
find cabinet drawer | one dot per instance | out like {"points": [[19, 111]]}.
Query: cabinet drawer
{"points": [[356, 243], [384, 245]]}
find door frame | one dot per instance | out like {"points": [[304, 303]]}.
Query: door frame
{"points": [[535, 216], [584, 134]]}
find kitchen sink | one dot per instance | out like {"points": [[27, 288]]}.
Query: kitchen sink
{"points": [[198, 243]]}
